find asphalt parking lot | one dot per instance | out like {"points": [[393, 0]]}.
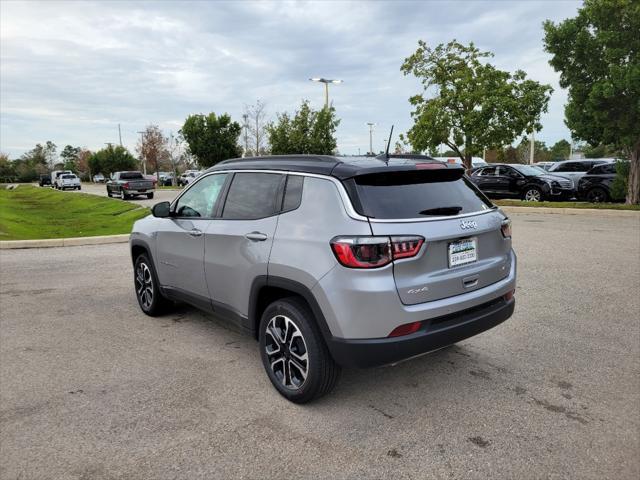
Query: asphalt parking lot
{"points": [[92, 388]]}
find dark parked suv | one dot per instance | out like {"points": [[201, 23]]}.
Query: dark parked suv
{"points": [[595, 185], [331, 262], [521, 181]]}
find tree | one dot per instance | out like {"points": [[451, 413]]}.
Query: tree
{"points": [[323, 140], [177, 153], [255, 129], [7, 168], [152, 148], [540, 152], [69, 156], [467, 104], [308, 132], [560, 150], [212, 138], [598, 56], [112, 159], [83, 163], [279, 135]]}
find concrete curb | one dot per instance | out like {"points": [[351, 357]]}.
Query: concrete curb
{"points": [[63, 242], [594, 212]]}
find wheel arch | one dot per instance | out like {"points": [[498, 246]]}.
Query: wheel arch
{"points": [[267, 289], [137, 248]]}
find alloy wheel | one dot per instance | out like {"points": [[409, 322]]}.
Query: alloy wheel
{"points": [[287, 352], [144, 285], [533, 195], [596, 196]]}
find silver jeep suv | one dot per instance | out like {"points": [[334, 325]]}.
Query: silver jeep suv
{"points": [[331, 262]]}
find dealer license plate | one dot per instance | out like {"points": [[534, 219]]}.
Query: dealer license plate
{"points": [[462, 252]]}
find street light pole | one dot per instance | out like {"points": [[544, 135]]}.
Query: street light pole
{"points": [[532, 149], [371, 125], [144, 161], [326, 82]]}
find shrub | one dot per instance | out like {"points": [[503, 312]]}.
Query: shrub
{"points": [[619, 186]]}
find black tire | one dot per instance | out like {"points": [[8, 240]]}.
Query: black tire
{"points": [[597, 195], [108, 193], [532, 194], [322, 373], [125, 196], [146, 285], [149, 196]]}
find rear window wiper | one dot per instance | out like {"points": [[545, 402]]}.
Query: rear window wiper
{"points": [[454, 210]]}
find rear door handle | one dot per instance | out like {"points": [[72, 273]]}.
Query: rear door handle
{"points": [[195, 232], [256, 236]]}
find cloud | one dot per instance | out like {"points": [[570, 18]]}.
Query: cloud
{"points": [[71, 71]]}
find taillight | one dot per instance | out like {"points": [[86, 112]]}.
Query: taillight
{"points": [[405, 247], [362, 252], [373, 252], [506, 228], [126, 185]]}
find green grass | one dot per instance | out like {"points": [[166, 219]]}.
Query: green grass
{"points": [[28, 213], [600, 206]]}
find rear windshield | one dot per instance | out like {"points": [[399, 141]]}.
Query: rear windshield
{"points": [[130, 175], [68, 176], [417, 195]]}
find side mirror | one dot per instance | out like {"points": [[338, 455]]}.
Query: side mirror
{"points": [[161, 210]]}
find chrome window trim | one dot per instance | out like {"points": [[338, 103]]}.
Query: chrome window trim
{"points": [[346, 201]]}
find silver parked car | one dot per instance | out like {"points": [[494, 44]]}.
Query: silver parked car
{"points": [[331, 262], [576, 169]]}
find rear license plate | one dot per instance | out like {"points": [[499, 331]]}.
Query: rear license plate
{"points": [[462, 252]]}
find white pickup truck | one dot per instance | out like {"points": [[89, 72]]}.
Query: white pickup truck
{"points": [[68, 180]]}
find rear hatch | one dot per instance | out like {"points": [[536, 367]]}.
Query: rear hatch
{"points": [[464, 249]]}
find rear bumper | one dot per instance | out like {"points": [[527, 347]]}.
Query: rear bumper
{"points": [[434, 334]]}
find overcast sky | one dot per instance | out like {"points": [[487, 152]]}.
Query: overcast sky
{"points": [[71, 71]]}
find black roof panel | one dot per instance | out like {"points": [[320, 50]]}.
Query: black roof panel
{"points": [[339, 167]]}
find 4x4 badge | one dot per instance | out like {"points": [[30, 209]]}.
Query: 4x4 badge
{"points": [[468, 224]]}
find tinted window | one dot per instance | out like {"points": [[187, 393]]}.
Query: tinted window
{"points": [[131, 175], [509, 172], [585, 166], [200, 199], [602, 169], [68, 176], [252, 196], [529, 170], [488, 172], [563, 167], [292, 193], [412, 195]]}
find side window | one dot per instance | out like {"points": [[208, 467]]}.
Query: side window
{"points": [[252, 196], [509, 172], [200, 199], [292, 193], [488, 172], [566, 167]]}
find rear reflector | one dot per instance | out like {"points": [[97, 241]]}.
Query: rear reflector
{"points": [[406, 329], [509, 295]]}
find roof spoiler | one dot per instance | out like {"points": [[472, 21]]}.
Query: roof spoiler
{"points": [[407, 177]]}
